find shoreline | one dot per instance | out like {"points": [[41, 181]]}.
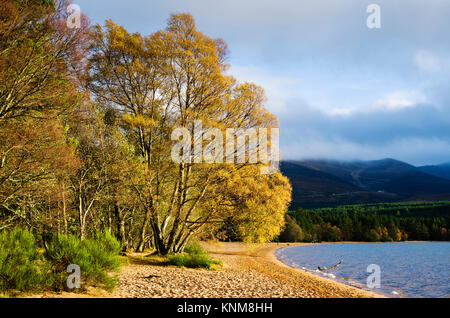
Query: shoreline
{"points": [[326, 281], [262, 259], [250, 271], [396, 293], [281, 263]]}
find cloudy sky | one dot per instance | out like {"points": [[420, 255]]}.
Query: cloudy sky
{"points": [[339, 89]]}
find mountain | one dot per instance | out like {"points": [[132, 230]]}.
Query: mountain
{"points": [[442, 171], [312, 181], [323, 183], [312, 188], [369, 175]]}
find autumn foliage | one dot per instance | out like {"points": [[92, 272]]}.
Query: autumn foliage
{"points": [[86, 117]]}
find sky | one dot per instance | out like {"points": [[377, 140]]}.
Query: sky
{"points": [[340, 89]]}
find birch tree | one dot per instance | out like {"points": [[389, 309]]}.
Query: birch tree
{"points": [[171, 79]]}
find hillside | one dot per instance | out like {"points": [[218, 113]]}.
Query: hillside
{"points": [[322, 183], [442, 171]]}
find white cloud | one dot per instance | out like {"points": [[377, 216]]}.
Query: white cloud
{"points": [[279, 89], [398, 100], [429, 62], [405, 149], [338, 88], [393, 101], [342, 112]]}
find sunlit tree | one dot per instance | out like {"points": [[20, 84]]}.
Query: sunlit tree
{"points": [[172, 79]]}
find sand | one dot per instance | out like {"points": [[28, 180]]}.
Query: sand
{"points": [[250, 272]]}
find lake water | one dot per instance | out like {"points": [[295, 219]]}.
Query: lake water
{"points": [[407, 269]]}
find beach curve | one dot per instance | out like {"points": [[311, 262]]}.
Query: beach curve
{"points": [[251, 271]]}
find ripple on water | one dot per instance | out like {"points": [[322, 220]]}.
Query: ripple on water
{"points": [[416, 269]]}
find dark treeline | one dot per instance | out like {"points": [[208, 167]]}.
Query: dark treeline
{"points": [[385, 222]]}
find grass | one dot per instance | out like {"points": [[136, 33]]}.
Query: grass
{"points": [[154, 260], [194, 261], [194, 256]]}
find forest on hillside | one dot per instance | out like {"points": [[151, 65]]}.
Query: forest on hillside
{"points": [[383, 222]]}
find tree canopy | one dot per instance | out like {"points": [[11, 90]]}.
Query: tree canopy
{"points": [[86, 122]]}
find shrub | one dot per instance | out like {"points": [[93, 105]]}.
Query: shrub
{"points": [[108, 242], [373, 236], [96, 257], [24, 268], [62, 251], [194, 256], [21, 266], [193, 261], [292, 232], [195, 249], [103, 258], [179, 259]]}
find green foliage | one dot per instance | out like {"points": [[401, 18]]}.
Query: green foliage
{"points": [[193, 261], [229, 231], [373, 236], [291, 232], [194, 256], [24, 268], [411, 209], [21, 266], [385, 222], [62, 251], [96, 257], [195, 249]]}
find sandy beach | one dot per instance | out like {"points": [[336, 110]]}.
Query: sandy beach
{"points": [[250, 272]]}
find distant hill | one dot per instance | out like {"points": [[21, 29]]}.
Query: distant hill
{"points": [[326, 183], [442, 171]]}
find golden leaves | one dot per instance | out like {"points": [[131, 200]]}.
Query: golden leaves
{"points": [[171, 79], [138, 121]]}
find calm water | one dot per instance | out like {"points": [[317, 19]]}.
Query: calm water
{"points": [[407, 269]]}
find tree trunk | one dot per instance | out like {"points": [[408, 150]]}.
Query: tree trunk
{"points": [[158, 241], [109, 220], [130, 239], [82, 224], [144, 227], [123, 236], [64, 209], [121, 227]]}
